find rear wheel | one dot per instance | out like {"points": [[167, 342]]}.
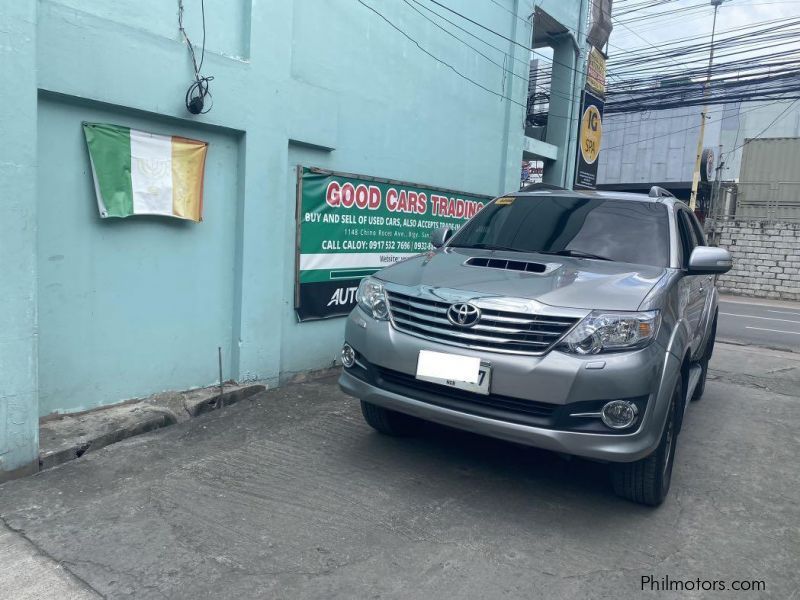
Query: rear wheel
{"points": [[647, 481], [388, 421], [701, 384]]}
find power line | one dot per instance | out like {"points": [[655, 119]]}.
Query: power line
{"points": [[685, 129], [763, 131], [488, 58], [453, 35], [481, 25], [468, 32], [492, 31], [437, 59], [640, 37]]}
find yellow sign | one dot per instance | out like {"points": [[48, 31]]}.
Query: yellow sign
{"points": [[596, 72], [504, 201], [591, 133]]}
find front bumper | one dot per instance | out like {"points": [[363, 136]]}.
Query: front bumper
{"points": [[555, 380]]}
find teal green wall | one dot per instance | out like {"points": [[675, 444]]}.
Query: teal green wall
{"points": [[129, 304], [19, 432], [111, 310], [568, 78]]}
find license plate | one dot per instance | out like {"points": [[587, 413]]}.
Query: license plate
{"points": [[452, 370]]}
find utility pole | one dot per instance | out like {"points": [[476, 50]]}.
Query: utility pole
{"points": [[706, 92]]}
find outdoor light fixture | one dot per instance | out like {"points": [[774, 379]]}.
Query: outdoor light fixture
{"points": [[348, 356], [371, 298], [619, 414]]}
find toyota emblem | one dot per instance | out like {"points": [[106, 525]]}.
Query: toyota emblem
{"points": [[463, 315]]}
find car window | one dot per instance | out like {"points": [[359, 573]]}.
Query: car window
{"points": [[698, 230], [612, 229], [688, 241]]}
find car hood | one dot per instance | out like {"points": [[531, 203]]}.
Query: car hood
{"points": [[566, 282]]}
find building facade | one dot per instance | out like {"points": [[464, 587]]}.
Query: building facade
{"points": [[641, 149], [94, 312], [562, 28]]}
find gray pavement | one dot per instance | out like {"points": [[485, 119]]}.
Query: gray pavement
{"points": [[288, 494], [774, 324], [27, 574]]}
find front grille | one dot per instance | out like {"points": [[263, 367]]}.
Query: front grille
{"points": [[506, 408], [497, 331]]}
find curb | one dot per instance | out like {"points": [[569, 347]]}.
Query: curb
{"points": [[134, 419], [765, 347], [48, 460]]}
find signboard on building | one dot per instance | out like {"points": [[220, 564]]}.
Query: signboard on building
{"points": [[590, 133], [707, 165], [532, 171], [350, 226], [596, 72]]}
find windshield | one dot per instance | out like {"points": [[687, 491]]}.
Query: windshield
{"points": [[617, 230]]}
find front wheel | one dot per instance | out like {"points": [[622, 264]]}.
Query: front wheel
{"points": [[647, 481]]}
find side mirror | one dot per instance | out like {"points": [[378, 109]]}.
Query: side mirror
{"points": [[709, 260], [440, 236]]}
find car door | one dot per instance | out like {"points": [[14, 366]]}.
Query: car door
{"points": [[693, 289]]}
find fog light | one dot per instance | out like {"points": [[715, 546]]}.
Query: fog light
{"points": [[348, 356], [619, 414]]}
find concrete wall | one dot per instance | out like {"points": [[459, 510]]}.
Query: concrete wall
{"points": [[133, 307], [18, 342], [129, 304], [568, 76], [765, 259]]}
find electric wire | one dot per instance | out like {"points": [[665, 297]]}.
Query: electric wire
{"points": [[436, 58], [759, 134], [199, 89], [655, 137]]}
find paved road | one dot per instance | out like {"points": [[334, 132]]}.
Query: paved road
{"points": [[290, 495], [773, 325]]}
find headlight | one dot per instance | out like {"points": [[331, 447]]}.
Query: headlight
{"points": [[372, 298], [603, 331]]}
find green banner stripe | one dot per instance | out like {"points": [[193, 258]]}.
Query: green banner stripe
{"points": [[353, 273], [110, 150]]}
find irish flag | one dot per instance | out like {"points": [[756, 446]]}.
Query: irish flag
{"points": [[139, 173]]}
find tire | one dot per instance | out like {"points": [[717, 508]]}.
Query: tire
{"points": [[647, 481], [701, 384], [388, 422]]}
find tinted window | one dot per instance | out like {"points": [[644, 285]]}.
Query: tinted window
{"points": [[688, 241], [698, 230], [618, 230]]}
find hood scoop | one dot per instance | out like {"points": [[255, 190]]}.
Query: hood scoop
{"points": [[511, 265]]}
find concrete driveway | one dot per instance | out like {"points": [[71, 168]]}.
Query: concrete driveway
{"points": [[290, 495]]}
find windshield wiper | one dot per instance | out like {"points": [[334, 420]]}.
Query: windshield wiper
{"points": [[487, 247], [579, 254]]}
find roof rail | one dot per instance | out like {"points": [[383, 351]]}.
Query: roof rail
{"points": [[535, 187], [659, 192]]}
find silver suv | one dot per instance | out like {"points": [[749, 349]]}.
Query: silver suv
{"points": [[581, 323]]}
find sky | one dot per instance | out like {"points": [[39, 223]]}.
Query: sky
{"points": [[694, 22]]}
